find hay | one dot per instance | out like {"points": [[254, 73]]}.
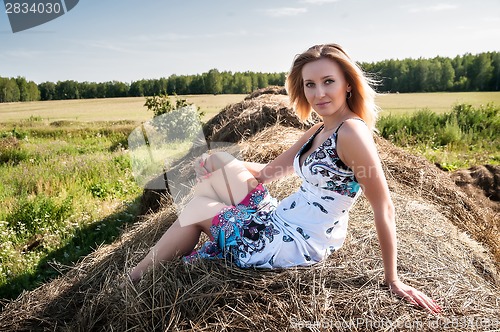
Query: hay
{"points": [[469, 213], [439, 252], [343, 291], [272, 90], [478, 181], [242, 120]]}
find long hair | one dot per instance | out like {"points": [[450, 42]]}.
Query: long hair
{"points": [[362, 99]]}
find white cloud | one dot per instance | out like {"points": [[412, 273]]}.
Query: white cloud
{"points": [[318, 2], [491, 19], [434, 8], [284, 11]]}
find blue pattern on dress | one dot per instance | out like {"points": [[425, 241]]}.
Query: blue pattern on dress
{"points": [[325, 161]]}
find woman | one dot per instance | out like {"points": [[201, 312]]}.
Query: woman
{"points": [[336, 159]]}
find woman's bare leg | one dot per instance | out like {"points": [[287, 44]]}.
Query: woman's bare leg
{"points": [[230, 179], [228, 184]]}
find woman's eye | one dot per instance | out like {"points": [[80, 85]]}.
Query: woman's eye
{"points": [[329, 81], [309, 85]]}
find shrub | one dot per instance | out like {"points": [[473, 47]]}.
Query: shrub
{"points": [[37, 215], [450, 134], [11, 151], [174, 123], [464, 125]]}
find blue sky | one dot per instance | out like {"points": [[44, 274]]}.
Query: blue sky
{"points": [[128, 40]]}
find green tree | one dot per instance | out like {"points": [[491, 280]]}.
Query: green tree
{"points": [[447, 74], [67, 90], [87, 90], [481, 72], [495, 81], [197, 85], [47, 90], [33, 92], [137, 89], [23, 88], [242, 83], [182, 84], [9, 90], [262, 80], [213, 83], [177, 120]]}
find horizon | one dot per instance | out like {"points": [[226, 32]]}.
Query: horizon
{"points": [[234, 72], [129, 42]]}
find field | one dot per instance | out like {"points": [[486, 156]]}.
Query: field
{"points": [[103, 109], [439, 102], [66, 184], [133, 108]]}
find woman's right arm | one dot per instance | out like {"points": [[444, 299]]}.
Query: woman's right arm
{"points": [[283, 164]]}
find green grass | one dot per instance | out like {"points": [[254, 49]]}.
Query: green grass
{"points": [[460, 138], [67, 189]]}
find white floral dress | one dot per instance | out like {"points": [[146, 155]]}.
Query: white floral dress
{"points": [[302, 229]]}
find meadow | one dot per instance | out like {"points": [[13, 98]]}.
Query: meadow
{"points": [[116, 109], [67, 186]]}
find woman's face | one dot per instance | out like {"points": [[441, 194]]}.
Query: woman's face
{"points": [[325, 86]]}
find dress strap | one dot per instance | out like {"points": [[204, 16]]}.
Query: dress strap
{"points": [[340, 125]]}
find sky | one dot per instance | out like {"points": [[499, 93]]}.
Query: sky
{"points": [[129, 40]]}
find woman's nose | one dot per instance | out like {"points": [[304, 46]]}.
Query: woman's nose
{"points": [[320, 92]]}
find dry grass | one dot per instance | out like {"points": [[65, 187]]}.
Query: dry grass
{"points": [[438, 102], [108, 109], [444, 249], [114, 109]]}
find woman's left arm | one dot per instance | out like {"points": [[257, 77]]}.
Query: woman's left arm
{"points": [[357, 150], [254, 168]]}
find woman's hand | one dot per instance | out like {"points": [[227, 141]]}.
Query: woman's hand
{"points": [[199, 167], [414, 296]]}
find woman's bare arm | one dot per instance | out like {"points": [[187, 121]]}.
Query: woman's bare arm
{"points": [[357, 150], [283, 164]]}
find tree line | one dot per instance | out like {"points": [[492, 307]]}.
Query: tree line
{"points": [[468, 72]]}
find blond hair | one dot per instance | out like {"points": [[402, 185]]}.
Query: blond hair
{"points": [[362, 100]]}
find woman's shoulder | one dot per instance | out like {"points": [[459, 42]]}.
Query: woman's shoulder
{"points": [[353, 127], [354, 137]]}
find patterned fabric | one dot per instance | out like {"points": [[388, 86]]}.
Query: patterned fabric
{"points": [[303, 229], [335, 175], [241, 230]]}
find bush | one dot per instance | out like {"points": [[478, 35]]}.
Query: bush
{"points": [[37, 215], [174, 123], [450, 134], [464, 125], [11, 151]]}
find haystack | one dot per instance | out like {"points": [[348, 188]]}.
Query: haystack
{"points": [[440, 252], [259, 110], [478, 181]]}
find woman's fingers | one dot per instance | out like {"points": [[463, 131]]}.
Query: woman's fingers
{"points": [[415, 297], [425, 302], [199, 167]]}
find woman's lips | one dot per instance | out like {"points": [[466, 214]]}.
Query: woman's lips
{"points": [[323, 103]]}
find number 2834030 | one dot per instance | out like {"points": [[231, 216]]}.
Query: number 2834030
{"points": [[34, 8]]}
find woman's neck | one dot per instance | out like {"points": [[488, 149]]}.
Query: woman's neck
{"points": [[331, 122]]}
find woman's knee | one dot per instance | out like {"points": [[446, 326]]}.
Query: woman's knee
{"points": [[218, 160]]}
